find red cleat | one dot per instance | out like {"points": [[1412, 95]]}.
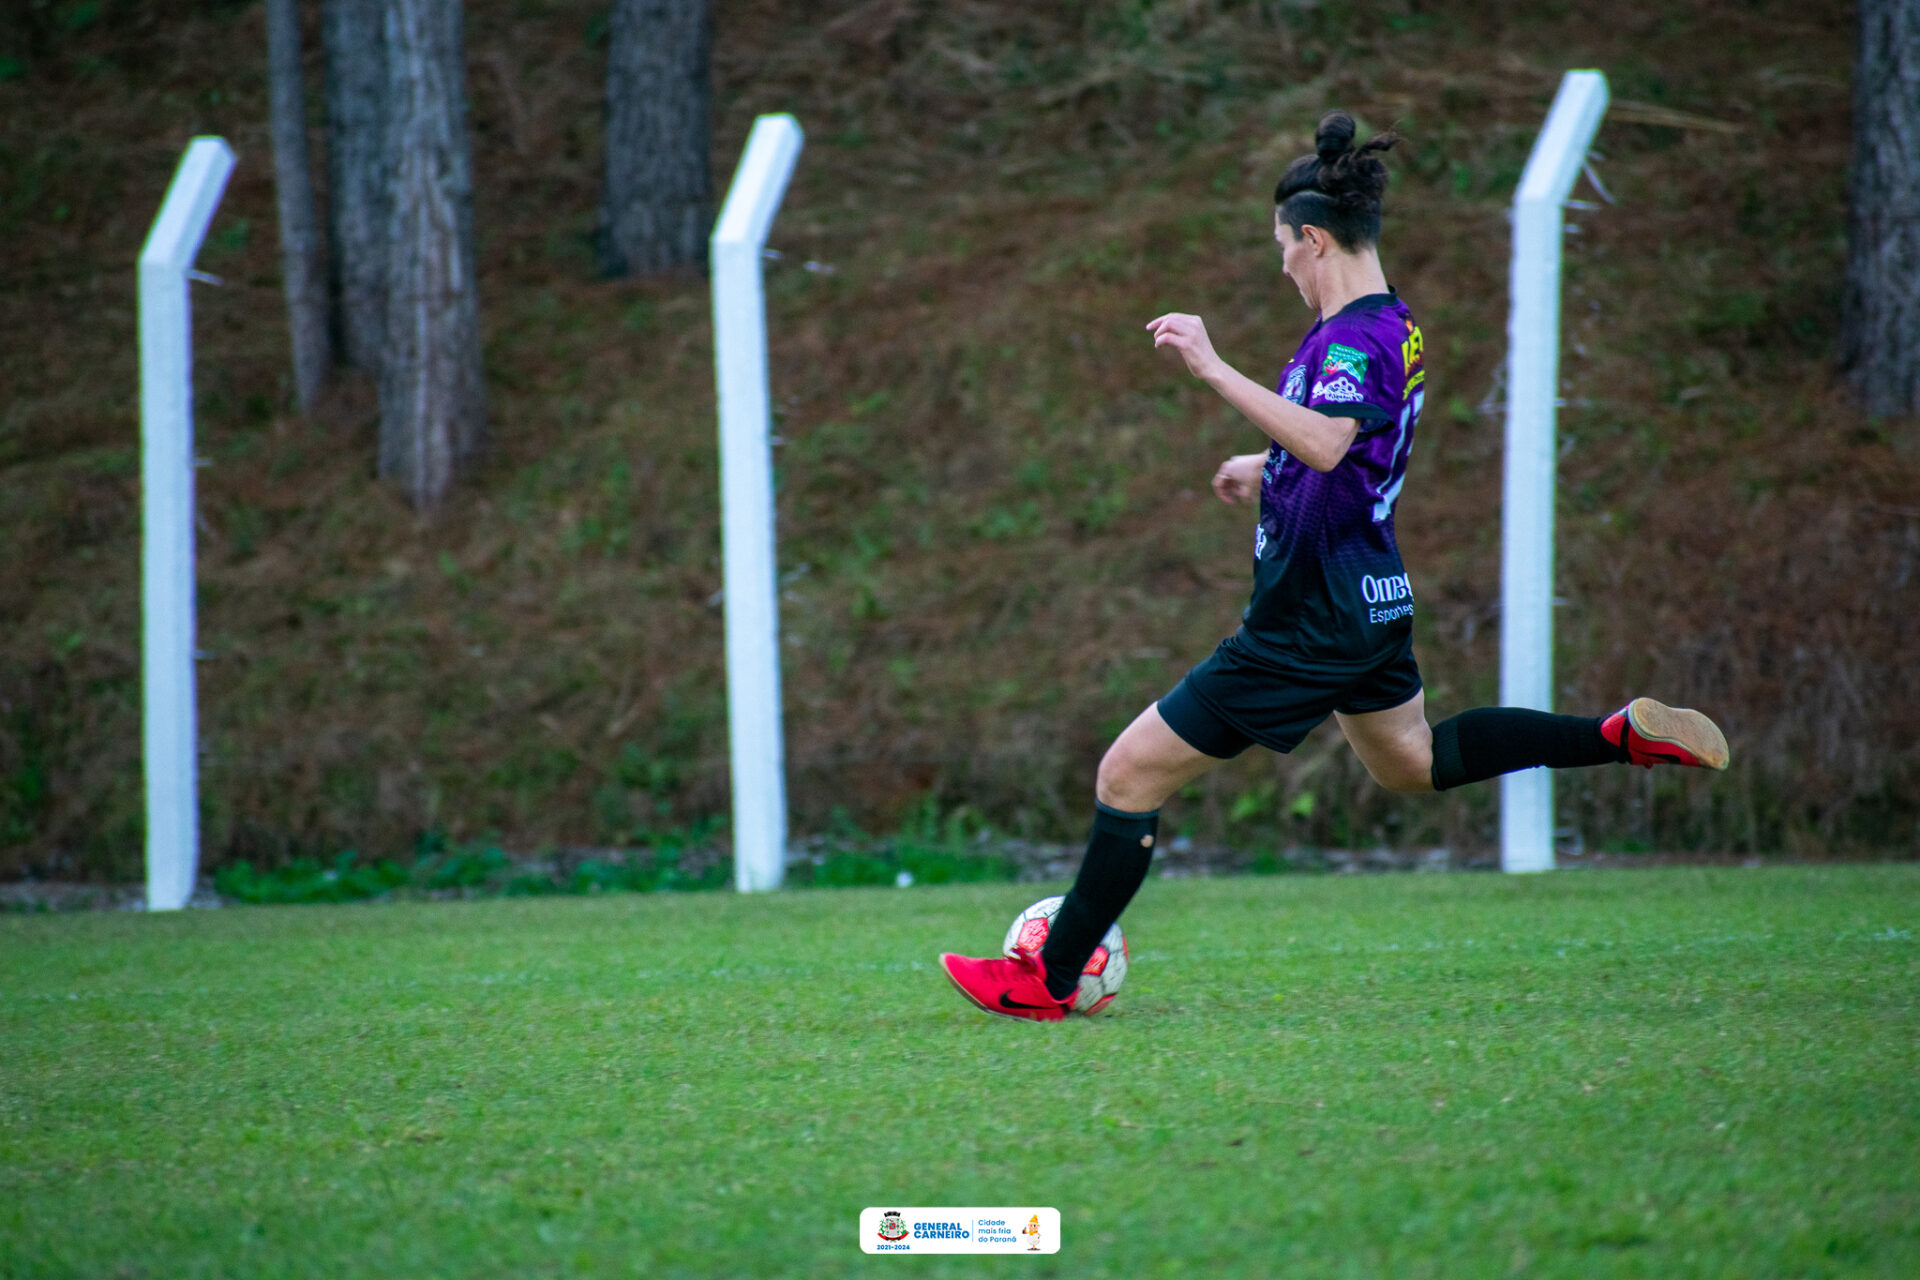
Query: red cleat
{"points": [[1656, 733], [1012, 988]]}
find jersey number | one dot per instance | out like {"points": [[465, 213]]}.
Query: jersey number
{"points": [[1402, 446]]}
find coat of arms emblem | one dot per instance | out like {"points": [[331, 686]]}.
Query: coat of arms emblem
{"points": [[892, 1225]]}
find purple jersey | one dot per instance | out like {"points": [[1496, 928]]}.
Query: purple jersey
{"points": [[1327, 577]]}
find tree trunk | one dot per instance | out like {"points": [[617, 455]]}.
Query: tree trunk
{"points": [[300, 254], [353, 33], [657, 206], [1880, 328], [430, 392]]}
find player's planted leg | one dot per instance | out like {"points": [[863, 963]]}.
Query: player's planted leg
{"points": [[1119, 854], [1146, 764]]}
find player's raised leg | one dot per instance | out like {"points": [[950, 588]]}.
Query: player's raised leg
{"points": [[1395, 745], [1145, 765], [1402, 754]]}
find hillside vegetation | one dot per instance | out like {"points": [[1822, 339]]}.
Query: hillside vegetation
{"points": [[996, 539]]}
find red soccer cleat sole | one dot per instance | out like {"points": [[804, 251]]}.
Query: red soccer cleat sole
{"points": [[1680, 727]]}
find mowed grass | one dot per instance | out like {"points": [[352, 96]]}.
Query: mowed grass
{"points": [[1648, 1073]]}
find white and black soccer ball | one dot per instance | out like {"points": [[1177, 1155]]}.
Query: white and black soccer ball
{"points": [[1105, 970]]}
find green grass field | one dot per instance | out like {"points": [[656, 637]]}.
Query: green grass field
{"points": [[1646, 1073]]}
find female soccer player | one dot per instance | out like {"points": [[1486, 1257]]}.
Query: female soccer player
{"points": [[1329, 629]]}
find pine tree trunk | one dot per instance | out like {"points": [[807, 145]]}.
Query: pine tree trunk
{"points": [[353, 33], [1880, 329], [657, 206], [430, 392], [300, 251]]}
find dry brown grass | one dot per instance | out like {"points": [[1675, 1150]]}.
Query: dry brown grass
{"points": [[993, 521]]}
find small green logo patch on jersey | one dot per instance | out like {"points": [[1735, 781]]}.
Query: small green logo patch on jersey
{"points": [[1347, 360]]}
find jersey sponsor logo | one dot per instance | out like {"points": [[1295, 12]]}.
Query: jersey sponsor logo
{"points": [[1394, 592], [1411, 353], [1338, 390], [1382, 590], [1344, 359], [1296, 384]]}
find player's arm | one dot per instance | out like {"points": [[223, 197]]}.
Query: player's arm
{"points": [[1314, 438]]}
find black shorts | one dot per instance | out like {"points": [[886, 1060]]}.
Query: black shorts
{"points": [[1242, 695]]}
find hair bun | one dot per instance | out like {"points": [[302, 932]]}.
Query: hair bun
{"points": [[1340, 187], [1334, 137]]}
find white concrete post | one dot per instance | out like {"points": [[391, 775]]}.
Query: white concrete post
{"points": [[171, 735], [746, 503], [1533, 374]]}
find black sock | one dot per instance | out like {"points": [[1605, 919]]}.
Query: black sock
{"points": [[1118, 854], [1489, 741]]}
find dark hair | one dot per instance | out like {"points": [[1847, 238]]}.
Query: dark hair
{"points": [[1339, 187]]}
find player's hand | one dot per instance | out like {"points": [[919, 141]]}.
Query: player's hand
{"points": [[1238, 479], [1187, 335]]}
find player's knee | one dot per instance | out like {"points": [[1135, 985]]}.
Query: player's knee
{"points": [[1406, 773], [1120, 782], [1113, 774], [1405, 782]]}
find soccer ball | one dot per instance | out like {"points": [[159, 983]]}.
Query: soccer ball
{"points": [[1106, 970]]}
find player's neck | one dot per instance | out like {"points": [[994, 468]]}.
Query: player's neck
{"points": [[1349, 276]]}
